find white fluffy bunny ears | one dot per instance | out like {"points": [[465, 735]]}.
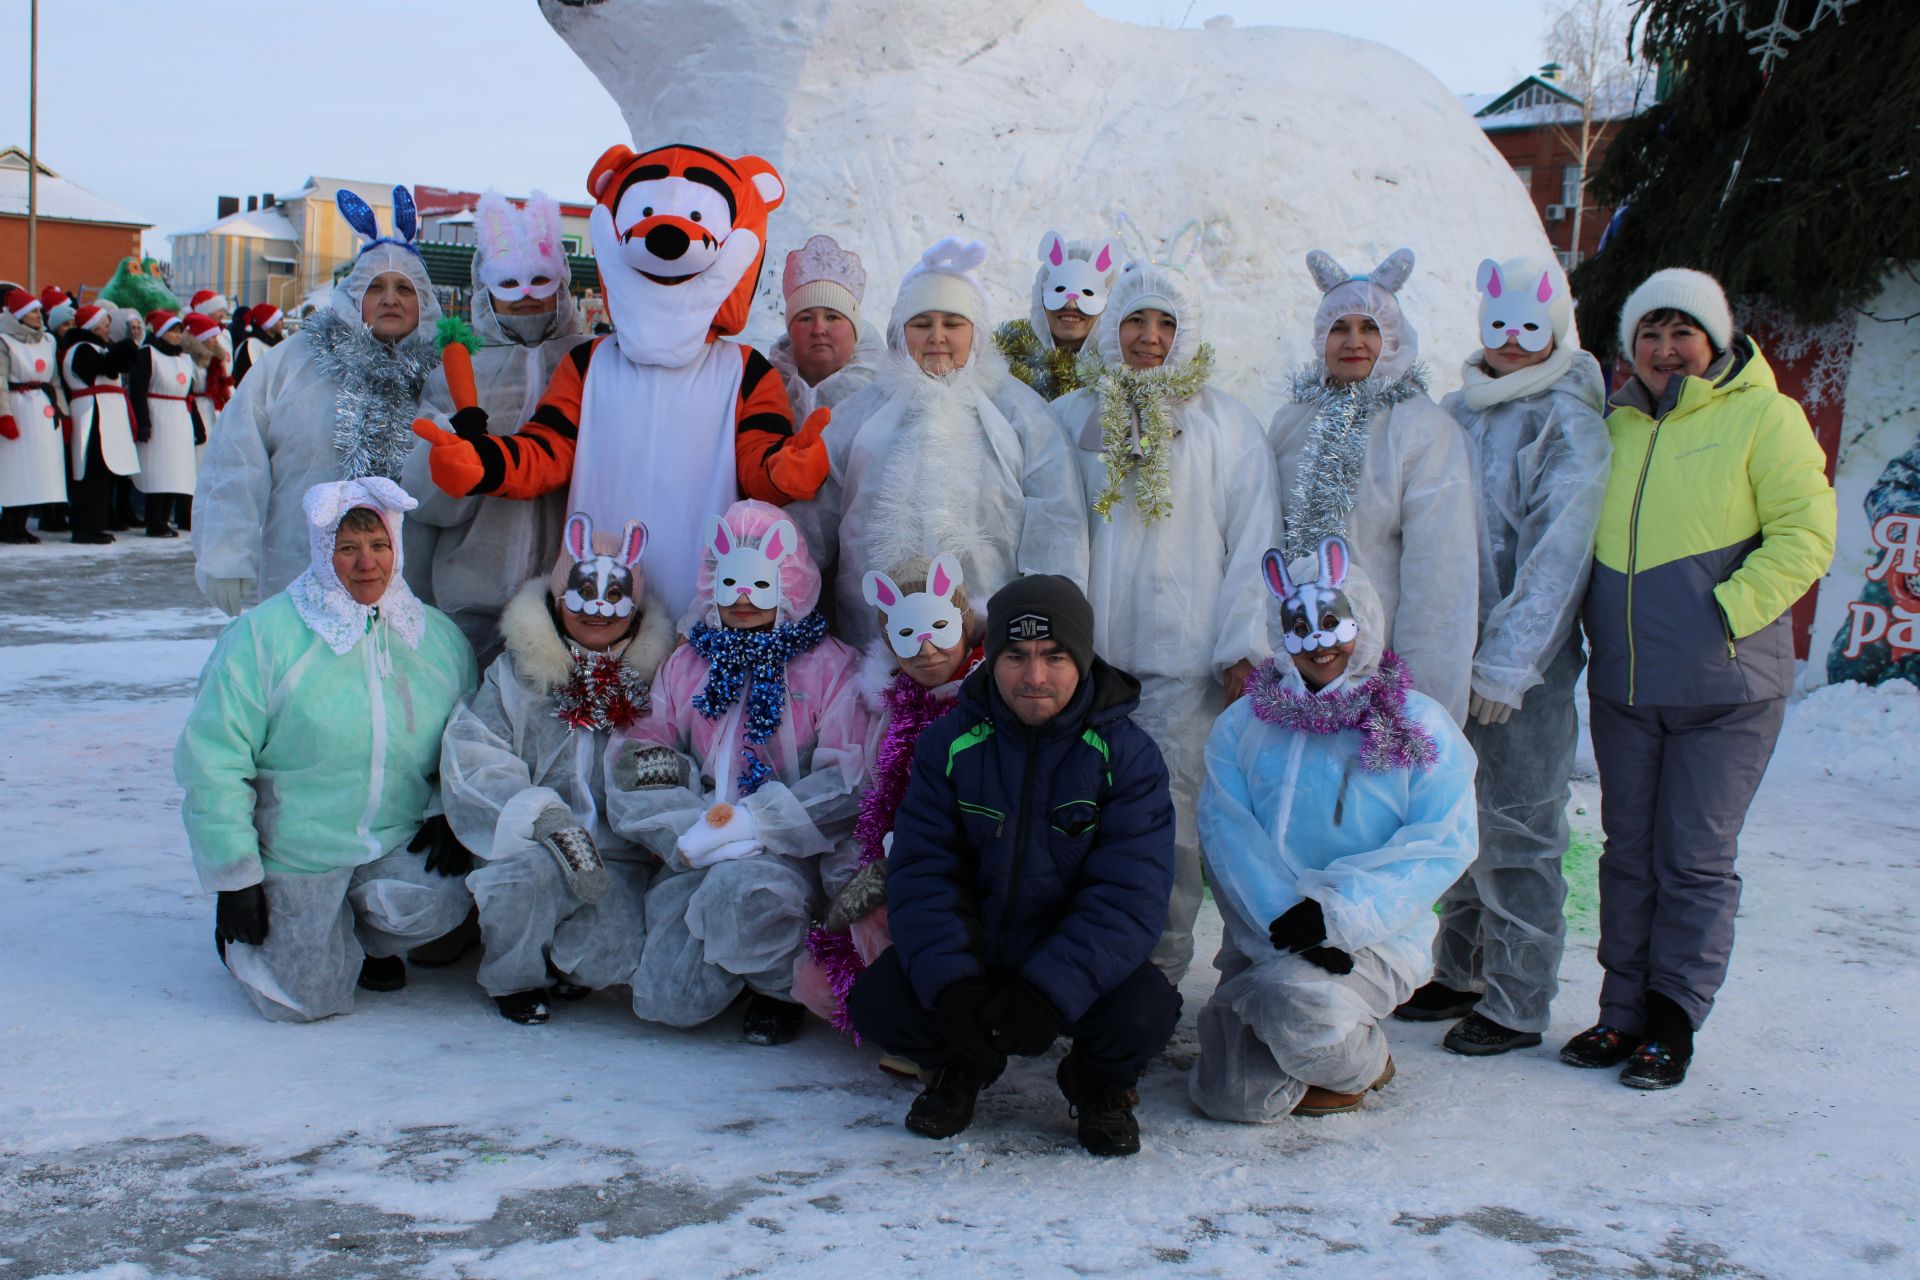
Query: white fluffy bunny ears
{"points": [[912, 620], [522, 254], [1317, 614]]}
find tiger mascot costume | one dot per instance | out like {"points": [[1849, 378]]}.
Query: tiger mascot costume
{"points": [[639, 422]]}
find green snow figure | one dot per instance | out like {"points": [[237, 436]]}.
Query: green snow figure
{"points": [[137, 283]]}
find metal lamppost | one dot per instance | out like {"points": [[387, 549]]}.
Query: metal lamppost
{"points": [[33, 147]]}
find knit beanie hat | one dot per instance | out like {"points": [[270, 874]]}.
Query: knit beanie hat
{"points": [[60, 313], [944, 279], [1041, 607], [1682, 289], [822, 274]]}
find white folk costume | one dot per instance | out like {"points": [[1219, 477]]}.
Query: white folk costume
{"points": [[332, 403], [1183, 506], [167, 427], [473, 551], [102, 437], [1378, 463], [32, 470], [822, 274], [968, 462], [666, 419]]}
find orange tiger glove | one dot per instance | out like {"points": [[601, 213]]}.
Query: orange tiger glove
{"points": [[454, 463], [801, 465]]}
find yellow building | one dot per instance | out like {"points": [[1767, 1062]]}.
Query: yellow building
{"points": [[280, 253]]}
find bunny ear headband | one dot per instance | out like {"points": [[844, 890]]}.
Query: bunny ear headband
{"points": [[359, 216], [1316, 614]]}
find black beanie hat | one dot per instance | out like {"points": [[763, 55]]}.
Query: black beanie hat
{"points": [[1042, 606]]}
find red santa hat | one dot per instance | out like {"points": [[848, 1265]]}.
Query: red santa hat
{"points": [[88, 316], [18, 302], [264, 316], [201, 327], [207, 302], [158, 322], [52, 296]]}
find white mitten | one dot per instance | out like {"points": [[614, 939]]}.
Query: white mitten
{"points": [[231, 595], [725, 832]]}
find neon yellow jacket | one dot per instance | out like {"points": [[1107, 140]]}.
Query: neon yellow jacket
{"points": [[1718, 517]]}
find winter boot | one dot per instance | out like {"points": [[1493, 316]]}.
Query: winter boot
{"points": [[565, 988], [1478, 1036], [945, 1106], [1661, 1060], [53, 518], [383, 973], [528, 1008], [1598, 1046], [771, 1021], [1325, 1102], [1435, 1003], [448, 947], [1105, 1115]]}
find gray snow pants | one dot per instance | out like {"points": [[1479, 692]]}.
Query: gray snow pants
{"points": [[1279, 1024], [1503, 923], [321, 927], [715, 930], [1675, 783], [527, 914]]}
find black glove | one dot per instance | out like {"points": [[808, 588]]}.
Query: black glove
{"points": [[960, 1011], [1332, 959], [199, 432], [240, 915], [469, 423], [1023, 1021], [444, 851], [1300, 926]]}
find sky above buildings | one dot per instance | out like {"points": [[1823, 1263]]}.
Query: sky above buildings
{"points": [[161, 108]]}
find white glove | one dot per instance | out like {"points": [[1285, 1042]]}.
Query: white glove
{"points": [[1487, 711], [725, 832], [231, 595]]}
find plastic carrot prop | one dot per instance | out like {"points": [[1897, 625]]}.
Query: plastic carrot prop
{"points": [[457, 342]]}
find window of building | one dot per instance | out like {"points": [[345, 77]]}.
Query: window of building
{"points": [[1524, 172], [572, 244], [1570, 185]]}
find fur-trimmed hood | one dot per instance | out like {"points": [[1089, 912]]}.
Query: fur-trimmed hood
{"points": [[543, 657]]}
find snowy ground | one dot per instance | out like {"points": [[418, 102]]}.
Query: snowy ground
{"points": [[151, 1125]]}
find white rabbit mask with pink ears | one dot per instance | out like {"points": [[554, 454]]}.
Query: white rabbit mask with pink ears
{"points": [[914, 619], [745, 574]]}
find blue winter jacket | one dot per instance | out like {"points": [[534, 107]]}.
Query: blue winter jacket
{"points": [[1046, 850]]}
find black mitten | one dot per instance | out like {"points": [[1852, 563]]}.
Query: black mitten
{"points": [[1023, 1021], [445, 853], [1298, 927], [469, 423], [961, 1010], [240, 915], [1332, 959]]}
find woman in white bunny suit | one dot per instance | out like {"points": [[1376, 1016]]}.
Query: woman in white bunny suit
{"points": [[1183, 507], [480, 549], [946, 450], [1365, 453]]}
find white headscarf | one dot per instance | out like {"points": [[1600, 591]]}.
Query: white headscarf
{"points": [[322, 600]]}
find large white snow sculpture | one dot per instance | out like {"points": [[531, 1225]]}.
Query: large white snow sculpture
{"points": [[895, 122]]}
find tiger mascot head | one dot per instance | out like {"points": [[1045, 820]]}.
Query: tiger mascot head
{"points": [[679, 233]]}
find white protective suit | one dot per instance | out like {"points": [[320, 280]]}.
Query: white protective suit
{"points": [[474, 550], [506, 759], [869, 354], [969, 464], [1542, 455], [1379, 463], [330, 403], [1289, 815], [1177, 601]]}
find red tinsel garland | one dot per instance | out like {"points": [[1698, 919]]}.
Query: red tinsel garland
{"points": [[602, 693]]}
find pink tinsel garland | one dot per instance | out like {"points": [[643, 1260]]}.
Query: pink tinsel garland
{"points": [[1377, 707]]}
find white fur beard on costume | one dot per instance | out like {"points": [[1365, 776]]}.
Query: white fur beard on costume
{"points": [[919, 508]]}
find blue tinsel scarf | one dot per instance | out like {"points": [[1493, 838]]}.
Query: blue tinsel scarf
{"points": [[735, 657]]}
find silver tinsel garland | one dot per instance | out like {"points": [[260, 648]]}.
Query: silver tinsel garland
{"points": [[378, 393], [1328, 480]]}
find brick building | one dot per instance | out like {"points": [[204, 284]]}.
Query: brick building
{"points": [[81, 237]]}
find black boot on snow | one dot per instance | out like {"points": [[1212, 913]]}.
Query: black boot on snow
{"points": [[945, 1106], [771, 1021], [1435, 1003], [528, 1008], [1598, 1046], [565, 988], [1661, 1060], [448, 947], [1478, 1037], [1105, 1114], [386, 973]]}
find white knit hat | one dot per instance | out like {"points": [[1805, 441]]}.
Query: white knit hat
{"points": [[944, 279], [822, 274], [1694, 292]]}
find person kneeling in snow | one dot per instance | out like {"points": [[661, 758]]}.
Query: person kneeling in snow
{"points": [[1338, 807], [309, 762], [559, 893], [768, 706], [1031, 865]]}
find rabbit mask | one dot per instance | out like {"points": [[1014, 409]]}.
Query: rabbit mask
{"points": [[914, 619], [522, 254], [748, 574], [601, 584], [1521, 297], [1313, 615], [1065, 278]]}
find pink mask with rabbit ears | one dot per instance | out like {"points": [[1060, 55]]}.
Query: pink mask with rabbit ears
{"points": [[1514, 308], [748, 574], [1313, 615], [601, 585], [912, 620], [1081, 281]]}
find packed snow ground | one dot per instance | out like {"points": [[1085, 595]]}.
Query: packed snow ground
{"points": [[152, 1125]]}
